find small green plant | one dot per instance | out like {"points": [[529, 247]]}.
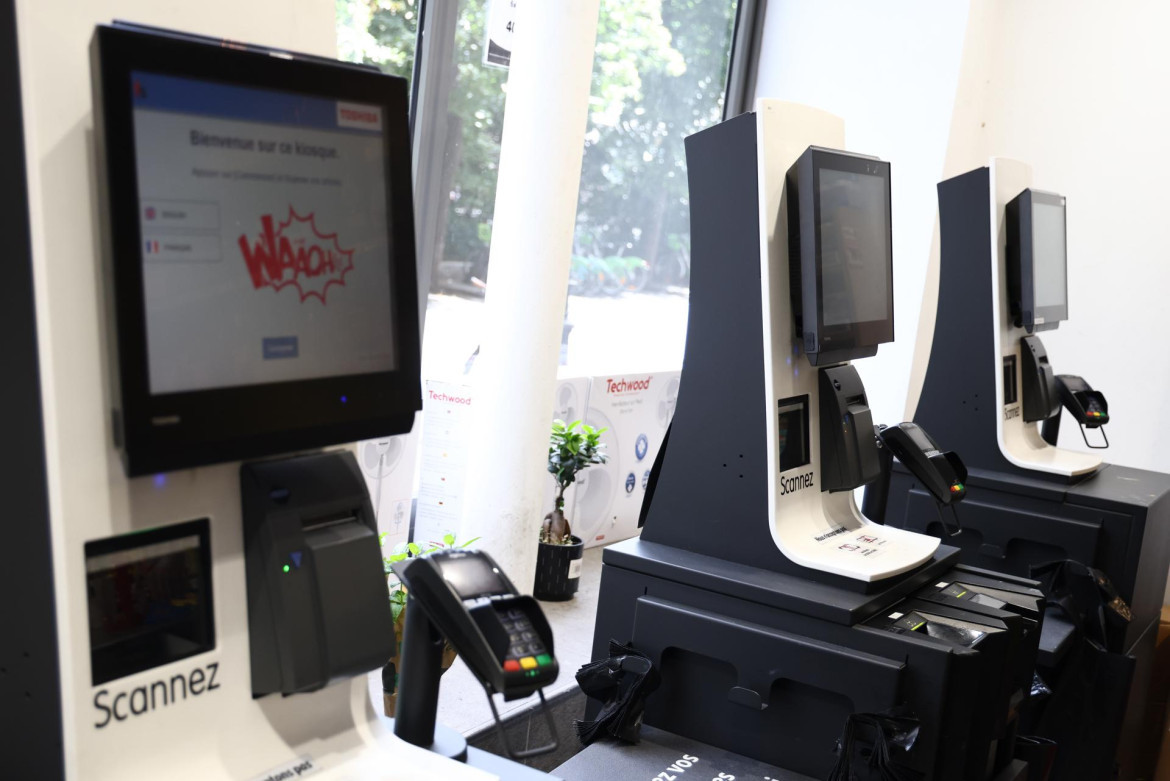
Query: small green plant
{"points": [[409, 550], [572, 447]]}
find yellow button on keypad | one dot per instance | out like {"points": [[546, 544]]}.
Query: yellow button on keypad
{"points": [[528, 663]]}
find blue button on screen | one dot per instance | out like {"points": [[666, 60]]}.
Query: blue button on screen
{"points": [[277, 347]]}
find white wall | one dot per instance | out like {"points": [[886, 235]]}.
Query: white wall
{"points": [[1076, 89], [890, 71]]}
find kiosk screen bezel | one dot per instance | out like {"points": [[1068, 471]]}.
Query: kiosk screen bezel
{"points": [[164, 432]]}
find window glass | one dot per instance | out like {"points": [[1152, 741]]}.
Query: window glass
{"points": [[378, 32], [659, 75]]}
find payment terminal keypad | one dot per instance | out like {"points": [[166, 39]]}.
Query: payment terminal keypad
{"points": [[525, 649]]}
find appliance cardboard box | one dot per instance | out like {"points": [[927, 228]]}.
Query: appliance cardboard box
{"points": [[447, 410], [635, 410]]}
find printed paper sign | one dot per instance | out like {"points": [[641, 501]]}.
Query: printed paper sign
{"points": [[388, 464], [446, 427], [501, 24]]}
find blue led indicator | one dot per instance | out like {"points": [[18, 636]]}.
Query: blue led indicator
{"points": [[344, 399], [160, 481]]}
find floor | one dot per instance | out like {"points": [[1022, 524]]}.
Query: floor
{"points": [[462, 702]]}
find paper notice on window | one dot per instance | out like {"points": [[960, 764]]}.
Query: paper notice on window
{"points": [[501, 24]]}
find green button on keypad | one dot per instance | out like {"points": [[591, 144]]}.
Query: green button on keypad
{"points": [[544, 659]]}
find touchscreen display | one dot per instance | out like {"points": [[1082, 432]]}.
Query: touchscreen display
{"points": [[149, 597], [1049, 254], [471, 576], [854, 242], [265, 245]]}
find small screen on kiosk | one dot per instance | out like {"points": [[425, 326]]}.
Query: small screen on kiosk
{"points": [[1049, 258], [855, 257], [792, 433], [149, 597]]}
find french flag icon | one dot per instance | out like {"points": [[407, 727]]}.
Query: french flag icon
{"points": [[151, 247]]}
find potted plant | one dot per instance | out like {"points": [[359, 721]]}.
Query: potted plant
{"points": [[398, 609], [572, 448]]}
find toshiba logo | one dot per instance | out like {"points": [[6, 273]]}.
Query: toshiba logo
{"points": [[357, 115], [627, 386]]}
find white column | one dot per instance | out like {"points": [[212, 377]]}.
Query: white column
{"points": [[532, 239]]}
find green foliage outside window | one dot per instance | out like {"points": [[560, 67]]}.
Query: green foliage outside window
{"points": [[659, 75]]}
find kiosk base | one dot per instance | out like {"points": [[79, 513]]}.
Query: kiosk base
{"points": [[448, 743], [1117, 520], [770, 666], [660, 752]]}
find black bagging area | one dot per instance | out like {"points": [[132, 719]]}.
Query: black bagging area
{"points": [[1116, 519]]}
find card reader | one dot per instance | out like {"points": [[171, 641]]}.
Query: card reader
{"points": [[501, 635]]}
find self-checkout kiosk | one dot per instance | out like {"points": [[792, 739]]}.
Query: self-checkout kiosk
{"points": [[222, 601], [773, 608], [998, 399]]}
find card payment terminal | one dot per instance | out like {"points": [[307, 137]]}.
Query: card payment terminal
{"points": [[500, 634]]}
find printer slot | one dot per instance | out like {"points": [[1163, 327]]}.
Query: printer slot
{"points": [[324, 523]]}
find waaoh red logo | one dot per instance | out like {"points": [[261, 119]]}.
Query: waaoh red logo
{"points": [[296, 253]]}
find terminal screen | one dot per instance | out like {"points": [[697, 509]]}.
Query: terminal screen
{"points": [[855, 262], [1049, 254], [471, 576], [265, 244], [149, 596]]}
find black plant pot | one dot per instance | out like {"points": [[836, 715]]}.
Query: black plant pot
{"points": [[558, 570]]}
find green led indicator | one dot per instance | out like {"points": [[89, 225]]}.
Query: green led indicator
{"points": [[286, 568]]}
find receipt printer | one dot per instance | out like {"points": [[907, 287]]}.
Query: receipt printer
{"points": [[318, 607]]}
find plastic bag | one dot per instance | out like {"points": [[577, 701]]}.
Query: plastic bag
{"points": [[621, 683], [896, 728]]}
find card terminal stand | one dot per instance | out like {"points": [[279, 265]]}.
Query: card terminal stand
{"points": [[500, 634], [941, 472], [999, 401], [758, 588]]}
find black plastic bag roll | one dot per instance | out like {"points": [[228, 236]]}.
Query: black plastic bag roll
{"points": [[621, 684]]}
